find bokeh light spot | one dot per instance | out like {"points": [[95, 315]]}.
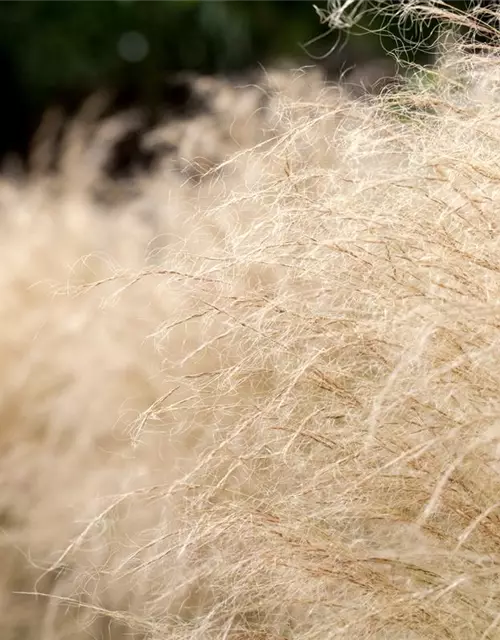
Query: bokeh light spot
{"points": [[133, 46]]}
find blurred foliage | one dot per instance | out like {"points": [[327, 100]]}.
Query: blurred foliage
{"points": [[57, 45], [60, 45], [61, 50]]}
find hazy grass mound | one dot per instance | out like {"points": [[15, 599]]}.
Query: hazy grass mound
{"points": [[264, 404]]}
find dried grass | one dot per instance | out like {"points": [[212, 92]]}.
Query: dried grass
{"points": [[264, 404]]}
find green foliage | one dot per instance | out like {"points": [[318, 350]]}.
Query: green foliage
{"points": [[68, 44]]}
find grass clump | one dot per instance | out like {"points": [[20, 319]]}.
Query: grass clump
{"points": [[263, 403]]}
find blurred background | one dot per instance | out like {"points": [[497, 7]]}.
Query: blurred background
{"points": [[57, 52]]}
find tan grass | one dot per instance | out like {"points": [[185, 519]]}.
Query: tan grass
{"points": [[264, 404]]}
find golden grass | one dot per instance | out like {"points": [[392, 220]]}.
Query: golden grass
{"points": [[264, 404]]}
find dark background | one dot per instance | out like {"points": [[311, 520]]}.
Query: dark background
{"points": [[57, 52]]}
